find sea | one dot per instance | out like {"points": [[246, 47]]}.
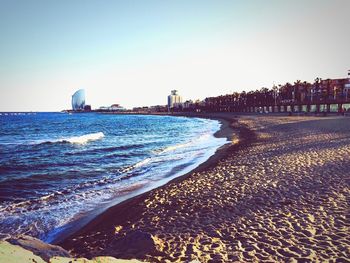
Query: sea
{"points": [[60, 170]]}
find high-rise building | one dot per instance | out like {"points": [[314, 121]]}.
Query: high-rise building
{"points": [[78, 100], [174, 100]]}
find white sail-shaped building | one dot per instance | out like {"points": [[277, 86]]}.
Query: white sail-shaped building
{"points": [[78, 100]]}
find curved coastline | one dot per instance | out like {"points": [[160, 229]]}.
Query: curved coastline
{"points": [[227, 130], [269, 198]]}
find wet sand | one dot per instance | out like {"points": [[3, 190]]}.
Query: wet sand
{"points": [[279, 193]]}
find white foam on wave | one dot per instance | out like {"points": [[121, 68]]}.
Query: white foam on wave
{"points": [[45, 216], [183, 145], [142, 163], [173, 148], [162, 155], [84, 138], [136, 165]]}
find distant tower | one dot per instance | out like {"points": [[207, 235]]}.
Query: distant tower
{"points": [[78, 100], [174, 100]]}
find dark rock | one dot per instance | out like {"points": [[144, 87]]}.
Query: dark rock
{"points": [[39, 248]]}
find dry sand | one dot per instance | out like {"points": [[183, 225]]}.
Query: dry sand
{"points": [[282, 194]]}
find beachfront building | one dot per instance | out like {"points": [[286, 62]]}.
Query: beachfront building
{"points": [[87, 108], [188, 104], [78, 100], [113, 107], [322, 96], [117, 107], [158, 108], [174, 100], [193, 106]]}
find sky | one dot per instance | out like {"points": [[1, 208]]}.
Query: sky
{"points": [[135, 52]]}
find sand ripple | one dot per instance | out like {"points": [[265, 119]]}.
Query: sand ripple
{"points": [[285, 197]]}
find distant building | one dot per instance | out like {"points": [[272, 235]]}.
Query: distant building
{"points": [[141, 109], [113, 107], [174, 100], [159, 108], [117, 107], [104, 108], [188, 104], [87, 108], [78, 100]]}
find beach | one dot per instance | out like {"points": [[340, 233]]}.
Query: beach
{"points": [[279, 191], [62, 174]]}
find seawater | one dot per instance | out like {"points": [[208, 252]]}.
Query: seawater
{"points": [[58, 168]]}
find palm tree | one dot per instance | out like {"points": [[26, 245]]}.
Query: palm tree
{"points": [[329, 91], [297, 89], [317, 86]]}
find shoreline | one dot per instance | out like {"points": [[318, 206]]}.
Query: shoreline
{"points": [[226, 131], [280, 194]]}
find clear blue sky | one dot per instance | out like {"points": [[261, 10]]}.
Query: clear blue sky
{"points": [[135, 52]]}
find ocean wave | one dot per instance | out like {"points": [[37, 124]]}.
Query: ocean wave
{"points": [[162, 154], [173, 148], [52, 180], [83, 139], [136, 165], [107, 150], [182, 145]]}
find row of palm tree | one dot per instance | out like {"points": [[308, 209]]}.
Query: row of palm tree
{"points": [[300, 92]]}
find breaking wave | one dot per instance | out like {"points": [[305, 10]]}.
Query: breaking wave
{"points": [[182, 145], [83, 139], [51, 174]]}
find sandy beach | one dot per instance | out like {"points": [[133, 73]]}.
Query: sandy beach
{"points": [[278, 192]]}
